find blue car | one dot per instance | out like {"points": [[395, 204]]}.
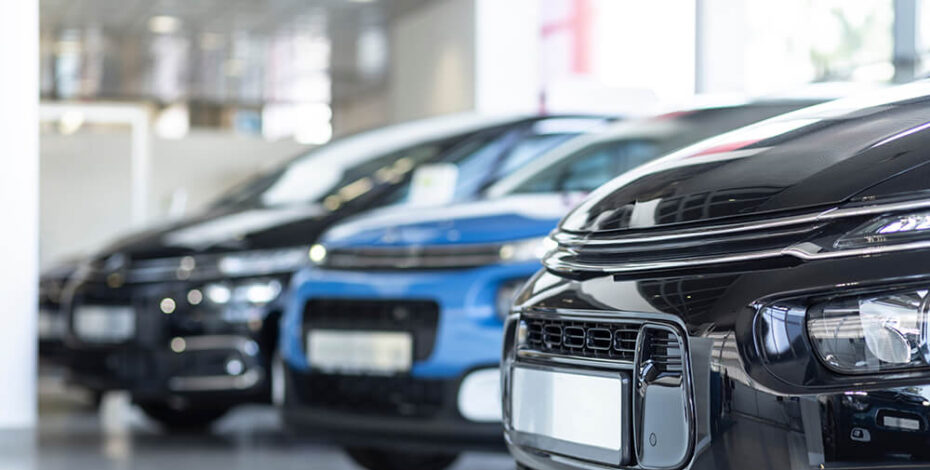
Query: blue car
{"points": [[391, 342]]}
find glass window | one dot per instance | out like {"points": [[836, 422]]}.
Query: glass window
{"points": [[591, 167]]}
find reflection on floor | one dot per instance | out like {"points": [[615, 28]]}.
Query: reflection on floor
{"points": [[73, 436]]}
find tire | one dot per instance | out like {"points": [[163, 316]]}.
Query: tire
{"points": [[378, 459], [183, 419]]}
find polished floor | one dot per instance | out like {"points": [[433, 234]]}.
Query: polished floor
{"points": [[73, 436]]}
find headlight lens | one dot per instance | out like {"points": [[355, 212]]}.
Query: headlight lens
{"points": [[871, 333], [317, 254], [253, 263], [887, 230], [526, 250]]}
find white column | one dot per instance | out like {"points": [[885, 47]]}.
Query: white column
{"points": [[507, 39], [720, 37], [432, 62], [906, 40], [19, 194]]}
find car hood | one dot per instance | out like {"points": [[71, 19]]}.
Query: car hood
{"points": [[225, 229], [817, 157], [488, 221]]}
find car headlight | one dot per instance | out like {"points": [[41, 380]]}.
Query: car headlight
{"points": [[887, 230], [526, 250], [261, 262], [871, 333], [317, 254], [256, 292]]}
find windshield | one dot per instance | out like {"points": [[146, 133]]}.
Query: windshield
{"points": [[595, 164], [591, 167], [485, 159], [481, 158]]}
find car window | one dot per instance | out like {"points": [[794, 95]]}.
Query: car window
{"points": [[486, 158], [591, 167], [526, 150]]}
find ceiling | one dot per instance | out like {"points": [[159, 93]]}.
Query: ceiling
{"points": [[220, 16], [132, 29]]}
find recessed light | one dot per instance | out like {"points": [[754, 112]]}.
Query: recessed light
{"points": [[164, 24]]}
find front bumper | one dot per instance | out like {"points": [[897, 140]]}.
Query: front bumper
{"points": [[424, 416], [427, 408], [191, 353], [773, 409]]}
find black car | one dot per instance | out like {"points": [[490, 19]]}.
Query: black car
{"points": [[185, 317], [758, 300]]}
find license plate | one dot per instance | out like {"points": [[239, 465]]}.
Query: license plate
{"points": [[567, 407], [360, 352], [104, 323]]}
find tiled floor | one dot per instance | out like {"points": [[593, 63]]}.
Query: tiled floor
{"points": [[72, 436]]}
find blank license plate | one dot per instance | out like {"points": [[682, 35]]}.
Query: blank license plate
{"points": [[575, 408], [360, 352], [104, 323]]}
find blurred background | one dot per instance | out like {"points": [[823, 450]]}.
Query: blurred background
{"points": [[151, 109]]}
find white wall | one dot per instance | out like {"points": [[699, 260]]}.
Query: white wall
{"points": [[432, 65], [85, 182], [19, 93]]}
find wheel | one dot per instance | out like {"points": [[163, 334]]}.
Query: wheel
{"points": [[377, 459], [185, 418]]}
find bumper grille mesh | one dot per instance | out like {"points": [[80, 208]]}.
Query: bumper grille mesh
{"points": [[583, 338]]}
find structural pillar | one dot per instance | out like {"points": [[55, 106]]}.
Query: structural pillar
{"points": [[19, 194]]}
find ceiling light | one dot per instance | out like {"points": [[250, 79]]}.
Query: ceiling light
{"points": [[164, 24]]}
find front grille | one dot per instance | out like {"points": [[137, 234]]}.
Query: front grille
{"points": [[391, 396], [582, 338], [662, 349], [418, 317], [415, 257], [703, 245], [651, 251]]}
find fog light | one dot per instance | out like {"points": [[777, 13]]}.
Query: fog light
{"points": [[234, 366], [871, 333], [479, 396]]}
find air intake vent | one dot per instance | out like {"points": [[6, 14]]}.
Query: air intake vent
{"points": [[661, 354], [582, 338]]}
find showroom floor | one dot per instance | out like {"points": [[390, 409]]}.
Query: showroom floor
{"points": [[73, 436]]}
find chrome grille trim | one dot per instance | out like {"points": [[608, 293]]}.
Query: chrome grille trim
{"points": [[561, 259], [574, 240]]}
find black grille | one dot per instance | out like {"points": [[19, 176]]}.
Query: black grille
{"points": [[393, 396], [418, 317], [425, 257], [582, 338], [663, 350]]}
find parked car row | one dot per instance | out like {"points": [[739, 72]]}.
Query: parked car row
{"points": [[716, 287]]}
